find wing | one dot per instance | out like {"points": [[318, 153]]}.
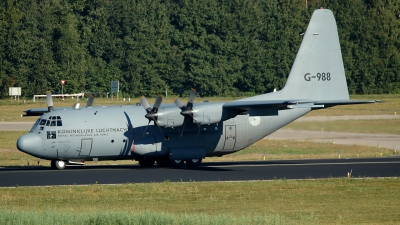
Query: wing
{"points": [[271, 107]]}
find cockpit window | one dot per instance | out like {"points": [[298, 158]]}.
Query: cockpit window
{"points": [[43, 122], [54, 121]]}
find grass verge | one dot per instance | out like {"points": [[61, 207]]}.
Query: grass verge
{"points": [[139, 218], [339, 200]]}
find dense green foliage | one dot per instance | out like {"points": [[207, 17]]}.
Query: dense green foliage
{"points": [[225, 47]]}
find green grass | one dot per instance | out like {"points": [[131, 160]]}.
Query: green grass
{"points": [[140, 218], [340, 200], [277, 150], [353, 126]]}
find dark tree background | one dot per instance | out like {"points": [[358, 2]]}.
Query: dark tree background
{"points": [[220, 48]]}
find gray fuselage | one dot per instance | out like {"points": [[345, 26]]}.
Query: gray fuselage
{"points": [[119, 132]]}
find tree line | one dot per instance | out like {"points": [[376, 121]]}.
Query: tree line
{"points": [[218, 47]]}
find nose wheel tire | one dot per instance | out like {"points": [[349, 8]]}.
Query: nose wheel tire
{"points": [[58, 164], [193, 162], [176, 163]]}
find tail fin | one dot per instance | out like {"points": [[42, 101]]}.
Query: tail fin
{"points": [[318, 71], [317, 75]]}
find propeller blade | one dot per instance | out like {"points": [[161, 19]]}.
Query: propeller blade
{"points": [[187, 111], [183, 127], [49, 100], [197, 125], [145, 104], [151, 114], [89, 103], [162, 133], [157, 104], [192, 95], [179, 103]]}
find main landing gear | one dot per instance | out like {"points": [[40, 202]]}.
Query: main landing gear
{"points": [[165, 162], [58, 164], [176, 163], [189, 162], [194, 162]]}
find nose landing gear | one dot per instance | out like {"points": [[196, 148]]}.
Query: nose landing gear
{"points": [[58, 164]]}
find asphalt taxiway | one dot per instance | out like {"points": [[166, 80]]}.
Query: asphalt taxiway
{"points": [[215, 171]]}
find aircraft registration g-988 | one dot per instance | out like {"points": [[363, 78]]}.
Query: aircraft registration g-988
{"points": [[171, 134]]}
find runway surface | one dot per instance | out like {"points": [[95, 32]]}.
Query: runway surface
{"points": [[15, 126], [226, 171]]}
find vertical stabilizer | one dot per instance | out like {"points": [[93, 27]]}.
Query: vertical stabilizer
{"points": [[317, 72]]}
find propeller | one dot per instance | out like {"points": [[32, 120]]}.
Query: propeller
{"points": [[187, 111], [90, 100], [49, 100], [151, 114]]}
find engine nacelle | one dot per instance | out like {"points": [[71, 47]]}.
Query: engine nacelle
{"points": [[208, 113], [170, 117]]}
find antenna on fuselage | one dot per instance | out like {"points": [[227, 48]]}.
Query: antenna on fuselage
{"points": [[49, 101], [90, 100]]}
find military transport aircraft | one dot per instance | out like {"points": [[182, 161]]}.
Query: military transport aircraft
{"points": [[171, 134]]}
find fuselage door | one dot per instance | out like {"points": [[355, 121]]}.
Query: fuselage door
{"points": [[230, 137], [86, 147]]}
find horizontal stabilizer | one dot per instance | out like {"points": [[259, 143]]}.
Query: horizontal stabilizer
{"points": [[244, 105], [35, 112], [345, 102]]}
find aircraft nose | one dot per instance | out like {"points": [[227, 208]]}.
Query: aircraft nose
{"points": [[30, 143]]}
